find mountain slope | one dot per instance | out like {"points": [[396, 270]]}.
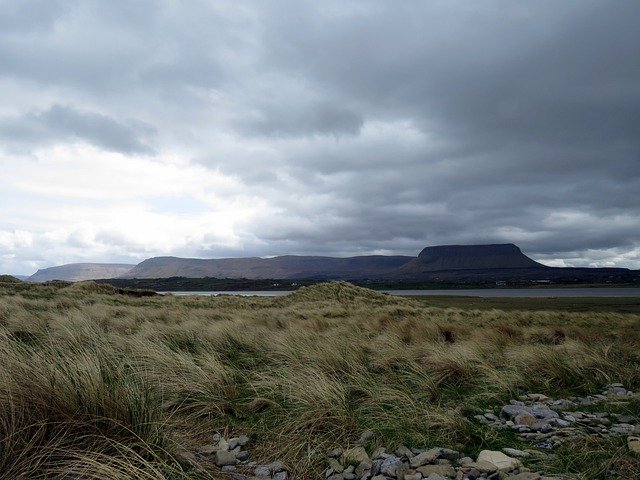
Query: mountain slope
{"points": [[75, 272], [284, 267]]}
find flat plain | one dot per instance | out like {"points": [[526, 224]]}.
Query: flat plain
{"points": [[102, 384]]}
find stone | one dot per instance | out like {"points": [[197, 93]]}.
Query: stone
{"points": [[514, 452], [525, 476], [482, 466], [281, 476], [634, 444], [335, 465], [403, 451], [335, 476], [224, 457], [242, 455], [435, 476], [413, 476], [276, 466], [365, 437], [444, 470], [358, 457], [425, 457], [525, 418], [229, 468], [503, 462], [262, 471], [393, 467]]}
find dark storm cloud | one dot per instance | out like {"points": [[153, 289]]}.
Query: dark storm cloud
{"points": [[362, 126], [62, 123]]}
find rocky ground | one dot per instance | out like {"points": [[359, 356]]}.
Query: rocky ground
{"points": [[543, 422]]}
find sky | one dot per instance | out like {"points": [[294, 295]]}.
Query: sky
{"points": [[198, 128]]}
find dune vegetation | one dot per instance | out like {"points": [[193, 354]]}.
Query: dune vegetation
{"points": [[103, 385]]}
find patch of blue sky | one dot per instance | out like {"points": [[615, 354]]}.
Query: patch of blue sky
{"points": [[182, 205]]}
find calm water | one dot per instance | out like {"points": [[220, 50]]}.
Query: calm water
{"points": [[492, 292]]}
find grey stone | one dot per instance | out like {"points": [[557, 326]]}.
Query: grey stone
{"points": [[242, 455], [366, 436], [514, 452], [224, 457], [425, 457], [392, 466], [262, 471], [503, 462]]}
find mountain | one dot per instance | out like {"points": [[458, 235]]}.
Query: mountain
{"points": [[75, 272], [468, 257], [444, 263], [284, 267]]}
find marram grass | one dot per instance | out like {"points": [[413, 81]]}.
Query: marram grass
{"points": [[95, 384]]}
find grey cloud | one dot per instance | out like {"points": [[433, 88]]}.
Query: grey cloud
{"points": [[60, 123], [322, 119], [365, 126]]}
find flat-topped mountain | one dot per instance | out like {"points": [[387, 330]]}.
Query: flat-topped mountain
{"points": [[284, 267], [469, 257], [76, 272]]}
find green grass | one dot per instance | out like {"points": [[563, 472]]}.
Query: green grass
{"points": [[103, 385]]}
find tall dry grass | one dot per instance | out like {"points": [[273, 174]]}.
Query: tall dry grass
{"points": [[99, 385]]}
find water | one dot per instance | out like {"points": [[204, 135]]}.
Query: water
{"points": [[475, 292]]}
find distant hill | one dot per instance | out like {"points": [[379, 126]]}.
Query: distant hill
{"points": [[75, 272], [468, 257], [457, 264], [9, 279], [284, 267]]}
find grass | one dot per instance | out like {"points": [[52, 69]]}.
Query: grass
{"points": [[98, 384]]}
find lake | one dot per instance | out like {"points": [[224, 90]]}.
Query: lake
{"points": [[474, 292]]}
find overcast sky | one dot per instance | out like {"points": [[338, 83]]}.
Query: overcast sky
{"points": [[131, 129]]}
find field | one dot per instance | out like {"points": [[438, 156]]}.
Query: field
{"points": [[104, 385]]}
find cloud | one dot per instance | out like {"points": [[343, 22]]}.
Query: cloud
{"points": [[61, 124], [340, 128]]}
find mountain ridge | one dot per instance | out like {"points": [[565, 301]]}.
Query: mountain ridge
{"points": [[76, 272]]}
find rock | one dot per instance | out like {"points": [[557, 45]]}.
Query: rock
{"points": [[525, 418], [393, 467], [276, 466], [435, 476], [634, 444], [413, 476], [425, 457], [282, 476], [262, 471], [403, 451], [224, 458], [242, 455], [365, 437], [515, 452], [358, 457], [482, 466], [444, 470], [503, 462], [229, 468], [525, 476], [335, 465]]}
